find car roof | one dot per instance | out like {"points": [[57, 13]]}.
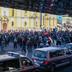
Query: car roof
{"points": [[69, 43], [15, 53], [49, 49]]}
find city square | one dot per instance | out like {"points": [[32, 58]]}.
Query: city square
{"points": [[35, 36]]}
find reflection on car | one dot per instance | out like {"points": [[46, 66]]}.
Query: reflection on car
{"points": [[11, 62], [68, 45]]}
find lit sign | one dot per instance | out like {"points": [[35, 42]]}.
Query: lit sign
{"points": [[59, 19]]}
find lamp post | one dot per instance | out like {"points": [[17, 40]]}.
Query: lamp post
{"points": [[0, 23], [49, 23], [34, 17], [40, 20], [43, 21], [12, 23], [41, 9]]}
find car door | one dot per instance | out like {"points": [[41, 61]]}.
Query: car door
{"points": [[58, 58]]}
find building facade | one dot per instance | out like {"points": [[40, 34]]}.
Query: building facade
{"points": [[16, 19]]}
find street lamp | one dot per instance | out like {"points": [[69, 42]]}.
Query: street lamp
{"points": [[0, 23], [41, 9], [12, 20], [49, 23], [43, 21], [35, 20]]}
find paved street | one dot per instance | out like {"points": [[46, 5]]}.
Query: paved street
{"points": [[18, 49], [67, 68]]}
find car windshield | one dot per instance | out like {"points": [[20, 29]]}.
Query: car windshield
{"points": [[40, 54], [69, 46]]}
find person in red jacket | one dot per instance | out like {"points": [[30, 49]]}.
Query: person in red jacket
{"points": [[49, 41]]}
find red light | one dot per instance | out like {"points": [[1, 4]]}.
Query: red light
{"points": [[46, 62]]}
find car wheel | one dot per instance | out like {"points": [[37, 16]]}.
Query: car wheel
{"points": [[52, 69], [70, 62]]}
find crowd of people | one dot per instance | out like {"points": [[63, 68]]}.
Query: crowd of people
{"points": [[34, 39]]}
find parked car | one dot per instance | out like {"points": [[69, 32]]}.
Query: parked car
{"points": [[16, 62], [50, 58]]}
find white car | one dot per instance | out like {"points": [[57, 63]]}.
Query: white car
{"points": [[15, 62], [51, 57]]}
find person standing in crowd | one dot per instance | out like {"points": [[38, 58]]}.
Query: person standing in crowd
{"points": [[2, 43], [15, 43], [70, 36], [0, 39], [34, 39], [49, 41], [23, 44]]}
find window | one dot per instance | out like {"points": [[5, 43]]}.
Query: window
{"points": [[25, 11], [12, 23], [40, 54], [26, 62], [25, 23], [69, 49], [69, 46], [68, 52], [56, 53]]}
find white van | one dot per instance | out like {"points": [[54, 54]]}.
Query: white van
{"points": [[52, 57]]}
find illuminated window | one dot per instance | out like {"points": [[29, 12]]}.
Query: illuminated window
{"points": [[25, 11], [12, 23], [25, 23]]}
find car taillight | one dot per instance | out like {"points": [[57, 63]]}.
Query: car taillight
{"points": [[45, 62]]}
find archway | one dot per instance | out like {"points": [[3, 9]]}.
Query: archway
{"points": [[4, 23], [4, 26]]}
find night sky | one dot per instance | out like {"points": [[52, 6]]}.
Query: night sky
{"points": [[44, 6]]}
